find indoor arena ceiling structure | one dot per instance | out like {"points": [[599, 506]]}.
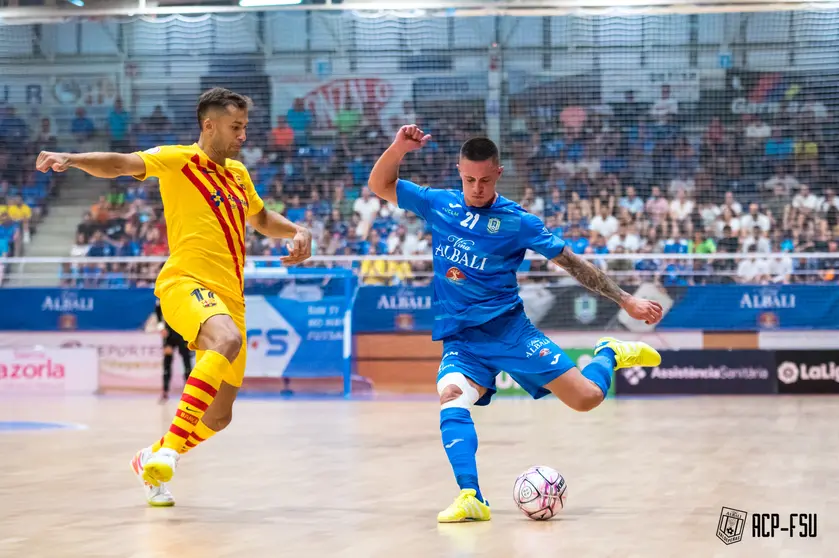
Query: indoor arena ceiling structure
{"points": [[16, 11]]}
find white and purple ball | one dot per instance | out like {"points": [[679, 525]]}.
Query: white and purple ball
{"points": [[540, 492]]}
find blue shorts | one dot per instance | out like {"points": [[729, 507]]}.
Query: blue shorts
{"points": [[509, 343]]}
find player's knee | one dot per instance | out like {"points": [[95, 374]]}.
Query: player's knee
{"points": [[230, 344], [221, 335], [450, 393], [167, 350], [456, 391]]}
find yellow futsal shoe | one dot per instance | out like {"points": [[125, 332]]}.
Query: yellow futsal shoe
{"points": [[466, 507], [629, 354]]}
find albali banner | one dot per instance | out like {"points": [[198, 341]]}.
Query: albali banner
{"points": [[75, 309], [813, 372], [575, 308], [753, 308], [709, 372], [704, 308], [393, 309], [506, 386], [52, 370], [406, 308]]}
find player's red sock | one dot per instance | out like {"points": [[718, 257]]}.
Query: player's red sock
{"points": [[200, 434], [199, 392]]}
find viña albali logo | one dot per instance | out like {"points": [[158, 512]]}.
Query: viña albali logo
{"points": [[459, 251]]}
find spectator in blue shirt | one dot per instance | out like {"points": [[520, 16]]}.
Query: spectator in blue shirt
{"points": [[99, 247], [119, 124], [300, 120], [82, 127]]}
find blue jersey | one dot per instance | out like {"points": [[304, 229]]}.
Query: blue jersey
{"points": [[477, 251]]}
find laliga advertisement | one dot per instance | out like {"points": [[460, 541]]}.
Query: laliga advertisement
{"points": [[295, 338], [49, 371]]}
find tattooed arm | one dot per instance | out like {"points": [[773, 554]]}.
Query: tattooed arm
{"points": [[591, 277], [595, 280], [538, 238]]}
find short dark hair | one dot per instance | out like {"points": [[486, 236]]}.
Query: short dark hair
{"points": [[480, 149], [220, 98]]}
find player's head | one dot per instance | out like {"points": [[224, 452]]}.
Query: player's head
{"points": [[223, 119], [480, 168]]}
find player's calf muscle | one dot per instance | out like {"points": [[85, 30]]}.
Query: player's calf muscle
{"points": [[220, 334], [220, 412], [576, 391]]}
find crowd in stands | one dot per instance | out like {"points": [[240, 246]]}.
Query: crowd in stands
{"points": [[627, 179], [23, 192]]}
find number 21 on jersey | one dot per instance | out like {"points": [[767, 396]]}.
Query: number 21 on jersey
{"points": [[471, 220]]}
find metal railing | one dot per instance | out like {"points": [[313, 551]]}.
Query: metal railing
{"points": [[696, 268]]}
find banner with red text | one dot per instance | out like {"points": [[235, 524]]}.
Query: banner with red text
{"points": [[382, 98], [127, 361], [49, 371]]}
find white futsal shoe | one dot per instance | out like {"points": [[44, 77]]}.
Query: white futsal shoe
{"points": [[157, 496]]}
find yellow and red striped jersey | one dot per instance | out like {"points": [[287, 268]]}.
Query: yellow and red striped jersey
{"points": [[206, 207]]}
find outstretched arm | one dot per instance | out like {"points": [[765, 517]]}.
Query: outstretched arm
{"points": [[385, 173], [595, 280], [272, 224], [101, 165]]}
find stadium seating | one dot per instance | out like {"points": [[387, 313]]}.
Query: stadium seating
{"points": [[629, 185], [24, 194]]}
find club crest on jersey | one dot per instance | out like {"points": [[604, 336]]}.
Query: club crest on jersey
{"points": [[494, 225], [454, 275], [219, 196]]}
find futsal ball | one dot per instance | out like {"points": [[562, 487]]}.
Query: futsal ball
{"points": [[540, 493]]}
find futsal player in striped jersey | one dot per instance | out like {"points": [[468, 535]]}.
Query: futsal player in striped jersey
{"points": [[208, 198]]}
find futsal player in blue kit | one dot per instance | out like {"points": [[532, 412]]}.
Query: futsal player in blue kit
{"points": [[479, 240]]}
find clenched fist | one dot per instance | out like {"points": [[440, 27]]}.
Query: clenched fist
{"points": [[59, 162], [410, 138]]}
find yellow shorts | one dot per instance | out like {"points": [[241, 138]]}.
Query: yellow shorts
{"points": [[186, 305]]}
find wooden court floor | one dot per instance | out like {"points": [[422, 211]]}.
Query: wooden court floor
{"points": [[647, 478]]}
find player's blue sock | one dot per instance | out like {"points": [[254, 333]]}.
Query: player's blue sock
{"points": [[600, 369], [461, 444]]}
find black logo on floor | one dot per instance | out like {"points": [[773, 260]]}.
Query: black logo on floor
{"points": [[767, 525], [732, 525]]}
